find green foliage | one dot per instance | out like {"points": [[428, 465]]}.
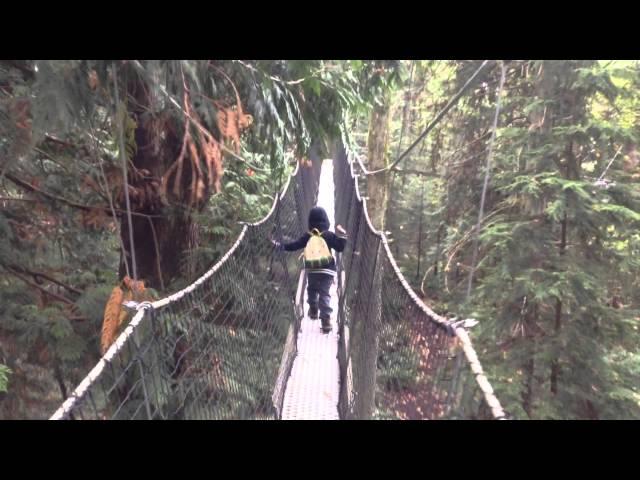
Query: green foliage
{"points": [[92, 302], [556, 288], [397, 367], [4, 377], [60, 251]]}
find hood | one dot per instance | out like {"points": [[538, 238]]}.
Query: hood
{"points": [[318, 219]]}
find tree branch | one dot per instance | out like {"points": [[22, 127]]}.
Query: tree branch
{"points": [[86, 208], [155, 243], [58, 141], [276, 79], [409, 171], [10, 199], [37, 275], [31, 188], [197, 124], [32, 284]]}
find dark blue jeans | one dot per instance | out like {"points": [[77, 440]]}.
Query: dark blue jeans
{"points": [[318, 285]]}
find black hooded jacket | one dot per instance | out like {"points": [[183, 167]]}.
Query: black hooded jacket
{"points": [[318, 219]]}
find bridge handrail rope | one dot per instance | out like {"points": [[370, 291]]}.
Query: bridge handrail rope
{"points": [[116, 347], [453, 326], [133, 380]]}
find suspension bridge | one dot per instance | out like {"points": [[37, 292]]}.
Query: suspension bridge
{"points": [[236, 344]]}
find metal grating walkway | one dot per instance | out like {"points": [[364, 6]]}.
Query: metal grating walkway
{"points": [[313, 387]]}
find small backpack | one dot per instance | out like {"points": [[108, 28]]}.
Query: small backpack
{"points": [[317, 253]]}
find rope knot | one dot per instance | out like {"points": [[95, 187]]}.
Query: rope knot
{"points": [[138, 305], [145, 306], [466, 323]]}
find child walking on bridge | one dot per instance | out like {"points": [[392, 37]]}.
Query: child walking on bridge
{"points": [[319, 262]]}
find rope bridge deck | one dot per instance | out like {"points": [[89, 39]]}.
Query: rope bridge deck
{"points": [[314, 386], [236, 345]]}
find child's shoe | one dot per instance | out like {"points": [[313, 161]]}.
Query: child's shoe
{"points": [[326, 325]]}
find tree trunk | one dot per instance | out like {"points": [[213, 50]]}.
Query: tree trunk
{"points": [[555, 366], [529, 370], [162, 239], [392, 191], [541, 120], [438, 250], [377, 185], [420, 231], [377, 193], [57, 374], [172, 233], [528, 394]]}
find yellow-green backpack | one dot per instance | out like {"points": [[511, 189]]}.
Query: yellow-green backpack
{"points": [[317, 253]]}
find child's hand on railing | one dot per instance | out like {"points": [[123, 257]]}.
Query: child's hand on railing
{"points": [[341, 230]]}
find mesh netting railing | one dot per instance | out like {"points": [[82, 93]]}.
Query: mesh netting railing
{"points": [[223, 347], [398, 358]]}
